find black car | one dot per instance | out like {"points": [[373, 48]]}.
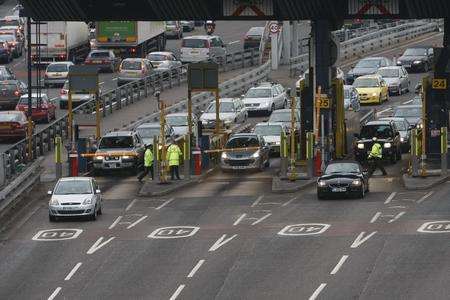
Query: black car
{"points": [[367, 66], [6, 55], [417, 59], [343, 178], [388, 137], [253, 38], [10, 93]]}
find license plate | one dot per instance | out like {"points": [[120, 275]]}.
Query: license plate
{"points": [[407, 66], [112, 166], [195, 52], [239, 167], [70, 208], [338, 190], [97, 61]]}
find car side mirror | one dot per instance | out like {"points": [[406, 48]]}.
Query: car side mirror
{"points": [[49, 193]]}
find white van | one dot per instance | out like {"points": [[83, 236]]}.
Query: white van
{"points": [[202, 48]]}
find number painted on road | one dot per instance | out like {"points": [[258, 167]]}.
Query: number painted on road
{"points": [[174, 232], [435, 227], [304, 229], [57, 234]]}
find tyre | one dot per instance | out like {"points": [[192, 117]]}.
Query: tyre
{"points": [[285, 105], [380, 100], [94, 215], [399, 154], [272, 108], [362, 192], [100, 212]]}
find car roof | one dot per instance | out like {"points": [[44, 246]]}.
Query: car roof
{"points": [[80, 178], [348, 161], [161, 52], [119, 133], [256, 29], [205, 37], [61, 62], [282, 110], [149, 125], [390, 67], [225, 100], [393, 119], [180, 114], [373, 57], [379, 122], [371, 76], [134, 59], [34, 95], [348, 86], [245, 135]]}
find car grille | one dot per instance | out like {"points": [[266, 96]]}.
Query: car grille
{"points": [[110, 158], [339, 185], [241, 162], [71, 212], [71, 203], [252, 105]]}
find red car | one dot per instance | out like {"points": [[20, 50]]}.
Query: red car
{"points": [[13, 125], [43, 110]]}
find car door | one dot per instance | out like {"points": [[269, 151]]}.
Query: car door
{"points": [[279, 98]]}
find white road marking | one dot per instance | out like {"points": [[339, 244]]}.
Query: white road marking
{"points": [[290, 201], [73, 271], [137, 222], [98, 244], [408, 102], [177, 292], [130, 205], [339, 264], [384, 110], [165, 203], [318, 291], [377, 215], [101, 83], [435, 227], [261, 219], [115, 222], [57, 234], [55, 293], [195, 269], [360, 239], [391, 196], [257, 200], [54, 98], [220, 242], [239, 219], [114, 79], [173, 232], [398, 216], [395, 217], [234, 42], [258, 220], [304, 229], [425, 197]]}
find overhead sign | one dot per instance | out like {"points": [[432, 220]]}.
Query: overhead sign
{"points": [[203, 76], [439, 84], [361, 8], [247, 8], [57, 234], [83, 79], [304, 229], [435, 227]]}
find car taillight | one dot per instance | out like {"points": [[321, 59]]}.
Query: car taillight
{"points": [[133, 50], [62, 56], [16, 93]]}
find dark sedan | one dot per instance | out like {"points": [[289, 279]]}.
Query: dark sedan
{"points": [[343, 178], [417, 59], [245, 151], [10, 93]]}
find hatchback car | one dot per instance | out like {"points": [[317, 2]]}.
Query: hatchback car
{"points": [[16, 42], [57, 73], [255, 157], [371, 89], [417, 59], [188, 25], [164, 62], [266, 97], [284, 116], [367, 66], [106, 60], [271, 133], [13, 125], [10, 93], [78, 98], [43, 109], [412, 113], [202, 48], [132, 69], [396, 78], [173, 30], [231, 111], [351, 98], [252, 38], [148, 131], [179, 123], [343, 178], [404, 128], [75, 197]]}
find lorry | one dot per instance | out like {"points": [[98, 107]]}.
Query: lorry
{"points": [[131, 38], [59, 41]]}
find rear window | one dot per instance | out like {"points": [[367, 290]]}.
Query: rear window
{"points": [[158, 57], [116, 142], [195, 43], [255, 31], [99, 54], [58, 68], [131, 65], [7, 38], [10, 117], [284, 116], [24, 101]]}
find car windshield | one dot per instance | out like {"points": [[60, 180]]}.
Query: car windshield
{"points": [[177, 120], [10, 117], [242, 142], [73, 187], [24, 101], [401, 125], [255, 31], [99, 54], [403, 112], [388, 73], [277, 116], [195, 43], [415, 52], [131, 65], [58, 68], [379, 131], [366, 82], [265, 130], [157, 57], [342, 168], [368, 63], [258, 93], [225, 107], [148, 132], [116, 142]]}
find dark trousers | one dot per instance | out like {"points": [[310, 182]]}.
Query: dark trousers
{"points": [[145, 172], [374, 164], [174, 171]]}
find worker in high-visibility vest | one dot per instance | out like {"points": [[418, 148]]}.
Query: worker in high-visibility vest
{"points": [[376, 157], [173, 156], [148, 163]]}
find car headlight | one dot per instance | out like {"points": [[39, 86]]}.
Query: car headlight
{"points": [[98, 157], [321, 183], [360, 146], [87, 201], [224, 155], [357, 182], [374, 94], [417, 62], [387, 145], [256, 154], [126, 157], [402, 139], [53, 202], [277, 143], [204, 122], [420, 126]]}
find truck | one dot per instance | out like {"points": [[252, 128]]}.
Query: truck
{"points": [[131, 38], [59, 41]]}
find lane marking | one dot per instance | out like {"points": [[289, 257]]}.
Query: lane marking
{"points": [[177, 292], [360, 239], [165, 203], [73, 271], [257, 201], [397, 217], [234, 42], [318, 291], [115, 79], [220, 242], [195, 269], [384, 110], [98, 244], [290, 201], [137, 222], [262, 219], [55, 293], [339, 264], [239, 219], [374, 218], [130, 205], [425, 197], [391, 196], [173, 232], [407, 102], [115, 222]]}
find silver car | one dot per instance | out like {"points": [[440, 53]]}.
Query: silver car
{"points": [[271, 132], [266, 97], [148, 131], [57, 73], [396, 78], [231, 111], [165, 61], [284, 116], [179, 123], [132, 69], [188, 25], [351, 98], [73, 197]]}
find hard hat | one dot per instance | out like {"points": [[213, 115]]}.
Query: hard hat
{"points": [[374, 139]]}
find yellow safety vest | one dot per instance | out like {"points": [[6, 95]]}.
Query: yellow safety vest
{"points": [[173, 155], [148, 158], [376, 151]]}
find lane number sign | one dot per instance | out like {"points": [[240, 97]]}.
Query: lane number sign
{"points": [[439, 84], [323, 102]]}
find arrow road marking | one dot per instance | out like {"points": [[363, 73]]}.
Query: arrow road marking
{"points": [[360, 239], [98, 244]]}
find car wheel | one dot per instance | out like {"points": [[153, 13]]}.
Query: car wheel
{"points": [[52, 218], [380, 100], [399, 154], [362, 192], [285, 105], [100, 212], [94, 214], [272, 108]]}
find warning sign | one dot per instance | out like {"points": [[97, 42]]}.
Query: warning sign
{"points": [[367, 8], [247, 8]]}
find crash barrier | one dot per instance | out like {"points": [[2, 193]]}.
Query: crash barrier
{"points": [[370, 42]]}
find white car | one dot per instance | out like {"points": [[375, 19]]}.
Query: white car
{"points": [[271, 132], [200, 48], [179, 123], [231, 111], [266, 97], [75, 197], [57, 73]]}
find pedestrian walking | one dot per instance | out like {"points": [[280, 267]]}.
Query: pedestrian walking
{"points": [[375, 158], [148, 163], [173, 156]]}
